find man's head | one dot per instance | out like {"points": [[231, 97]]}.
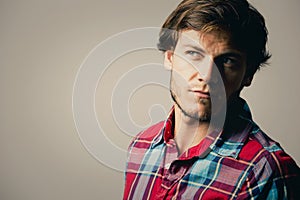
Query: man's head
{"points": [[200, 34], [244, 23]]}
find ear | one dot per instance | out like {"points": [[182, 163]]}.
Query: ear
{"points": [[247, 81], [168, 60]]}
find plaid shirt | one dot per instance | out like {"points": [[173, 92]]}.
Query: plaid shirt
{"points": [[237, 163]]}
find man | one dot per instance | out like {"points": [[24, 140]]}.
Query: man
{"points": [[209, 148]]}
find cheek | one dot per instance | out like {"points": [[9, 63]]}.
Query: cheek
{"points": [[233, 81], [182, 66], [178, 82]]}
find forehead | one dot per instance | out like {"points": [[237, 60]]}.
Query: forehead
{"points": [[210, 42]]}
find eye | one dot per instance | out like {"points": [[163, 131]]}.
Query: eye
{"points": [[192, 53], [195, 55], [229, 62]]}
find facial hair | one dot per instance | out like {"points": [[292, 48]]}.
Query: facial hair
{"points": [[205, 117]]}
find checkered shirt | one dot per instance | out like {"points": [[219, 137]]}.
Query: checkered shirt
{"points": [[239, 163]]}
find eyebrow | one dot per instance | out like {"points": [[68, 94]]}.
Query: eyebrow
{"points": [[231, 53]]}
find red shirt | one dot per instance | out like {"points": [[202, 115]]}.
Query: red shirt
{"points": [[241, 163]]}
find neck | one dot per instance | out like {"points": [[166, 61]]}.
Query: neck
{"points": [[188, 132]]}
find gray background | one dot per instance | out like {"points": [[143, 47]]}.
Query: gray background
{"points": [[42, 45]]}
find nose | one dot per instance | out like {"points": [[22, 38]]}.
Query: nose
{"points": [[206, 70]]}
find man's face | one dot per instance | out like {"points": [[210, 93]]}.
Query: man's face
{"points": [[195, 63]]}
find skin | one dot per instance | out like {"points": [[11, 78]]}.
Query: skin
{"points": [[194, 64]]}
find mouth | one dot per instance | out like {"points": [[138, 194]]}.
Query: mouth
{"points": [[200, 93]]}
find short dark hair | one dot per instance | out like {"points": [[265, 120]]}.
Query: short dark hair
{"points": [[241, 20]]}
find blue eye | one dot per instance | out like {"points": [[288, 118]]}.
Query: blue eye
{"points": [[192, 53], [195, 55]]}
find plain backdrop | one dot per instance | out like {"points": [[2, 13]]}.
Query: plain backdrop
{"points": [[42, 45]]}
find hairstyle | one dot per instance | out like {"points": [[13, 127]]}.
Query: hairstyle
{"points": [[241, 20]]}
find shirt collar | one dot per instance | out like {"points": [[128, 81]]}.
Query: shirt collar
{"points": [[236, 130], [167, 130], [226, 142]]}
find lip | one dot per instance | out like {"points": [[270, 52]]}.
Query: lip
{"points": [[201, 94]]}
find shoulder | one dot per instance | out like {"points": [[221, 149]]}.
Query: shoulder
{"points": [[260, 146], [141, 144], [146, 137], [151, 132], [272, 169]]}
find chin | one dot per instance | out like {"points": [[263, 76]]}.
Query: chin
{"points": [[199, 110], [196, 113]]}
